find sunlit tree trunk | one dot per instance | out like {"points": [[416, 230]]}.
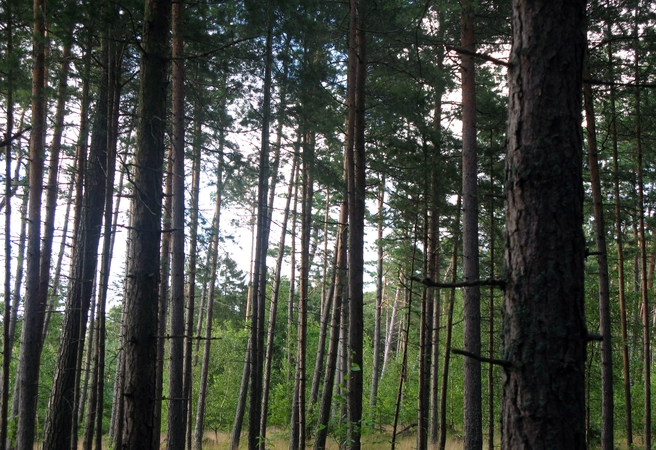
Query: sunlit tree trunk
{"points": [[29, 357]]}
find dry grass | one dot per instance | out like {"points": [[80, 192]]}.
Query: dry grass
{"points": [[280, 441]]}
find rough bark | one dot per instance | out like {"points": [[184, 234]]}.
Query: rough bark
{"points": [[143, 261], [544, 339]]}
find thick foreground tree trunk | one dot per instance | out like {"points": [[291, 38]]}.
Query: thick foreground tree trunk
{"points": [[545, 335], [143, 260]]}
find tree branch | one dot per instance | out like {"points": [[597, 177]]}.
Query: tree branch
{"points": [[489, 282], [464, 51], [5, 142], [498, 362]]}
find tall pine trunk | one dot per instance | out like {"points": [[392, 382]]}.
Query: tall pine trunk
{"points": [[607, 409], [545, 336], [29, 357], [177, 415], [620, 251], [213, 259], [355, 158], [143, 261], [449, 330], [333, 344], [273, 309], [377, 357], [6, 317], [470, 265]]}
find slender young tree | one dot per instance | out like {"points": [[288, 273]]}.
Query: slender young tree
{"points": [[306, 228], [545, 336], [449, 332], [355, 163], [470, 265], [261, 248], [273, 308], [333, 344], [644, 291], [620, 248], [607, 441], [177, 414], [213, 257], [29, 357], [6, 349], [61, 427], [377, 359]]}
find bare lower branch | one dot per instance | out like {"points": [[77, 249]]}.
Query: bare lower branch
{"points": [[498, 362], [489, 282]]}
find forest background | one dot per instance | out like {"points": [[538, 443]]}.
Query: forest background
{"points": [[254, 233]]}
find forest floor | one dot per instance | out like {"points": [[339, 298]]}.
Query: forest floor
{"points": [[280, 441]]}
